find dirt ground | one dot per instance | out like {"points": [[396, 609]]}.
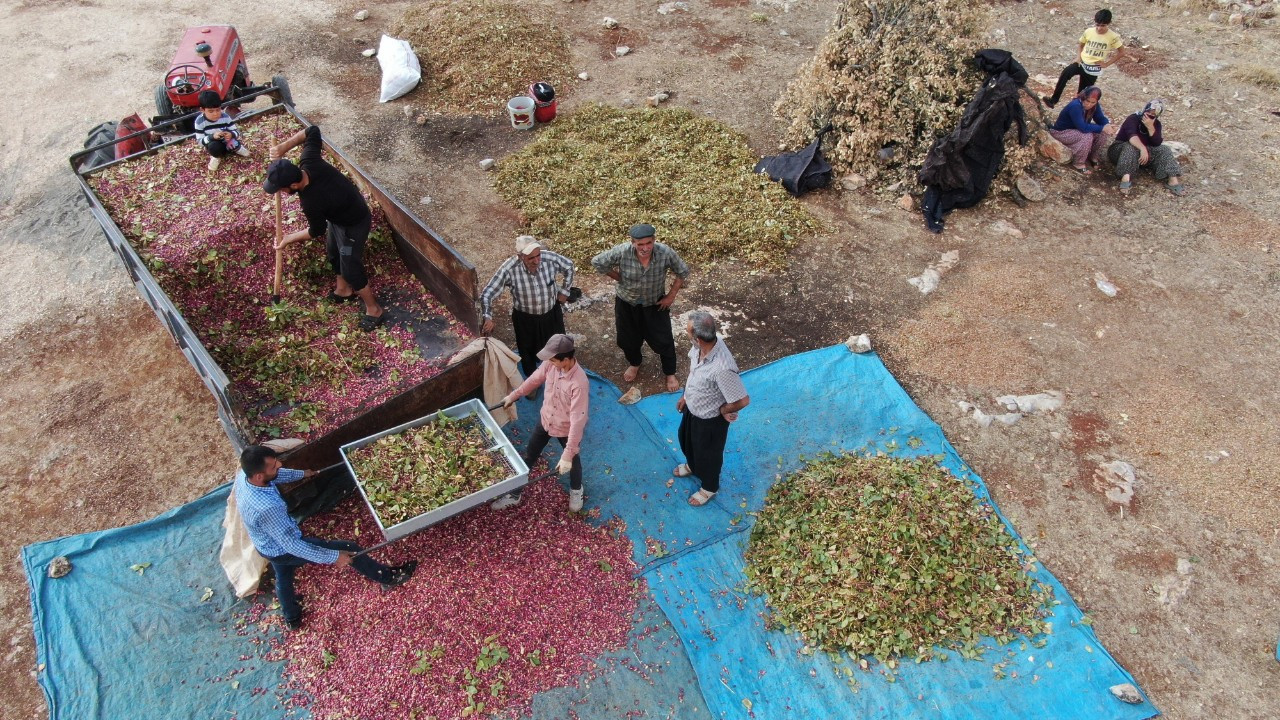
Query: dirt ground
{"points": [[103, 423]]}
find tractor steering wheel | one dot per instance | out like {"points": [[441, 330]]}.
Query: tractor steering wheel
{"points": [[186, 79]]}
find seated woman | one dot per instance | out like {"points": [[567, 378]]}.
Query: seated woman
{"points": [[1139, 143], [1084, 129]]}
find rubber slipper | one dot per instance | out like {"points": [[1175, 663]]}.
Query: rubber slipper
{"points": [[369, 322], [1125, 185], [700, 498], [334, 297], [1178, 189], [1082, 170], [682, 470]]}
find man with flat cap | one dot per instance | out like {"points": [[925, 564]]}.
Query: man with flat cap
{"points": [[536, 298], [642, 303], [335, 210], [563, 416]]}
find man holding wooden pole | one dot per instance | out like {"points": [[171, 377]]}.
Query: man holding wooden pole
{"points": [[335, 210]]}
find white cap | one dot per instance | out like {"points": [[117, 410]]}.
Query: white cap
{"points": [[526, 244]]}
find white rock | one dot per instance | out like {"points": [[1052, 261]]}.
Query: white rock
{"points": [[1215, 17], [621, 50], [609, 23], [1127, 693], [370, 52], [1213, 67], [1235, 19], [1180, 150], [1116, 480], [1031, 404], [1106, 286], [853, 181], [408, 111], [1004, 227], [425, 200], [361, 15], [1030, 189], [656, 100], [670, 7], [859, 343], [784, 33], [584, 76], [487, 164]]}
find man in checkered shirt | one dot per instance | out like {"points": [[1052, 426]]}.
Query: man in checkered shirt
{"points": [[642, 306], [279, 539], [536, 298], [712, 397]]}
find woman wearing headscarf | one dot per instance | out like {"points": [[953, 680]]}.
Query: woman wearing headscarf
{"points": [[1140, 143], [1084, 128]]}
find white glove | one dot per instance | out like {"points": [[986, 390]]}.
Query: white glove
{"points": [[564, 466]]}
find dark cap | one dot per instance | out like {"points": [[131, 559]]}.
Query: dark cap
{"points": [[209, 99], [280, 174], [643, 230], [557, 345]]}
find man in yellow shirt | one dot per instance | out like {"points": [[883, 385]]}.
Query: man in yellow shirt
{"points": [[1100, 47]]}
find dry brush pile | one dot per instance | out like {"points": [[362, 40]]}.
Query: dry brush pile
{"points": [[891, 74], [478, 54]]}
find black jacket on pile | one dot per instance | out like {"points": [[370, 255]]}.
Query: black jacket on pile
{"points": [[960, 167]]}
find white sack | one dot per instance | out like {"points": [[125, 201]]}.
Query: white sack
{"points": [[400, 69]]}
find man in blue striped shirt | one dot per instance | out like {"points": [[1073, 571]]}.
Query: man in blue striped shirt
{"points": [[279, 539]]}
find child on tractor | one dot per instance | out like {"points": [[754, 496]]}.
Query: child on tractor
{"points": [[217, 131]]}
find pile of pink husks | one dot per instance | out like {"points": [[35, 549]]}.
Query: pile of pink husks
{"points": [[299, 367], [503, 605]]}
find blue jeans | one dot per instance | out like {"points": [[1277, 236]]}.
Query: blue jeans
{"points": [[285, 566]]}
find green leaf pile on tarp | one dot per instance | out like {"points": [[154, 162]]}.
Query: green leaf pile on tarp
{"points": [[890, 557], [591, 175], [423, 468]]}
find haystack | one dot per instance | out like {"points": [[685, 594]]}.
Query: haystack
{"points": [[891, 77]]}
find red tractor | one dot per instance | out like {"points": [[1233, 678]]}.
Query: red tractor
{"points": [[209, 57]]}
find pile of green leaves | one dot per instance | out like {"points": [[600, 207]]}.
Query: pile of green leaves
{"points": [[592, 174], [890, 557], [478, 54], [423, 468]]}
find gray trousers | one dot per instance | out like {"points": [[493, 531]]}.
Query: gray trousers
{"points": [[1160, 161]]}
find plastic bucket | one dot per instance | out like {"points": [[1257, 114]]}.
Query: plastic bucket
{"points": [[544, 98], [520, 108]]}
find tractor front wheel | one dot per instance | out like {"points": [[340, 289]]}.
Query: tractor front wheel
{"points": [[164, 106], [282, 87]]}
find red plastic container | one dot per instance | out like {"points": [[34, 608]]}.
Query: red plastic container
{"points": [[544, 99]]}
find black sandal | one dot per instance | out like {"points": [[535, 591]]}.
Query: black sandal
{"points": [[369, 323], [335, 298]]}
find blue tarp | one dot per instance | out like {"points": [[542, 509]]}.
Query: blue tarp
{"points": [[109, 638]]}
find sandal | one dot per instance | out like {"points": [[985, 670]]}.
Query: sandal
{"points": [[368, 323], [1178, 189], [335, 298], [1125, 185], [682, 470], [1082, 169], [700, 498]]}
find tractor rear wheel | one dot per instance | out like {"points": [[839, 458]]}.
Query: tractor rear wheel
{"points": [[100, 134], [164, 106], [282, 85]]}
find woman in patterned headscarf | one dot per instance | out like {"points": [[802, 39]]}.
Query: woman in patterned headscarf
{"points": [[1140, 143]]}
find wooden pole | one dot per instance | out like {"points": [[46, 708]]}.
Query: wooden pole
{"points": [[275, 292]]}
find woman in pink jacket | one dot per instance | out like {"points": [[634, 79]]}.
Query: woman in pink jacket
{"points": [[563, 417]]}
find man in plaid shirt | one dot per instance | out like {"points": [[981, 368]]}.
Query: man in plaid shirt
{"points": [[536, 314], [642, 306], [279, 539]]}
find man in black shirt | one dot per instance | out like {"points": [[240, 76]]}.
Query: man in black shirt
{"points": [[335, 210]]}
